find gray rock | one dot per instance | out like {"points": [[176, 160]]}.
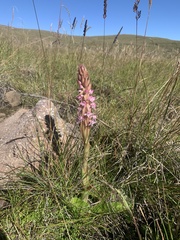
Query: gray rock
{"points": [[27, 135], [13, 98]]}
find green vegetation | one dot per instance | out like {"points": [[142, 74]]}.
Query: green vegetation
{"points": [[134, 155]]}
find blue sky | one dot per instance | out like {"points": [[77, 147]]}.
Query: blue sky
{"points": [[164, 16]]}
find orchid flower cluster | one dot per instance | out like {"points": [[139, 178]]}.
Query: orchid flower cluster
{"points": [[87, 105]]}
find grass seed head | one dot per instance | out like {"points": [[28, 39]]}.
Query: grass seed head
{"points": [[105, 9]]}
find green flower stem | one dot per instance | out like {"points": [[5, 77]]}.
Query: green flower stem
{"points": [[85, 170]]}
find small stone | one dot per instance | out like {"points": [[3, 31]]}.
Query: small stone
{"points": [[13, 98], [3, 204]]}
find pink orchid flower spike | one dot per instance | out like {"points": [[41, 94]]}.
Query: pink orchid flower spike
{"points": [[87, 106]]}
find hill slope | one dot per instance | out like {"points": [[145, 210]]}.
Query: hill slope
{"points": [[29, 36]]}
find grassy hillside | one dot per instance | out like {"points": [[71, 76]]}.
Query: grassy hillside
{"points": [[30, 36], [134, 156]]}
